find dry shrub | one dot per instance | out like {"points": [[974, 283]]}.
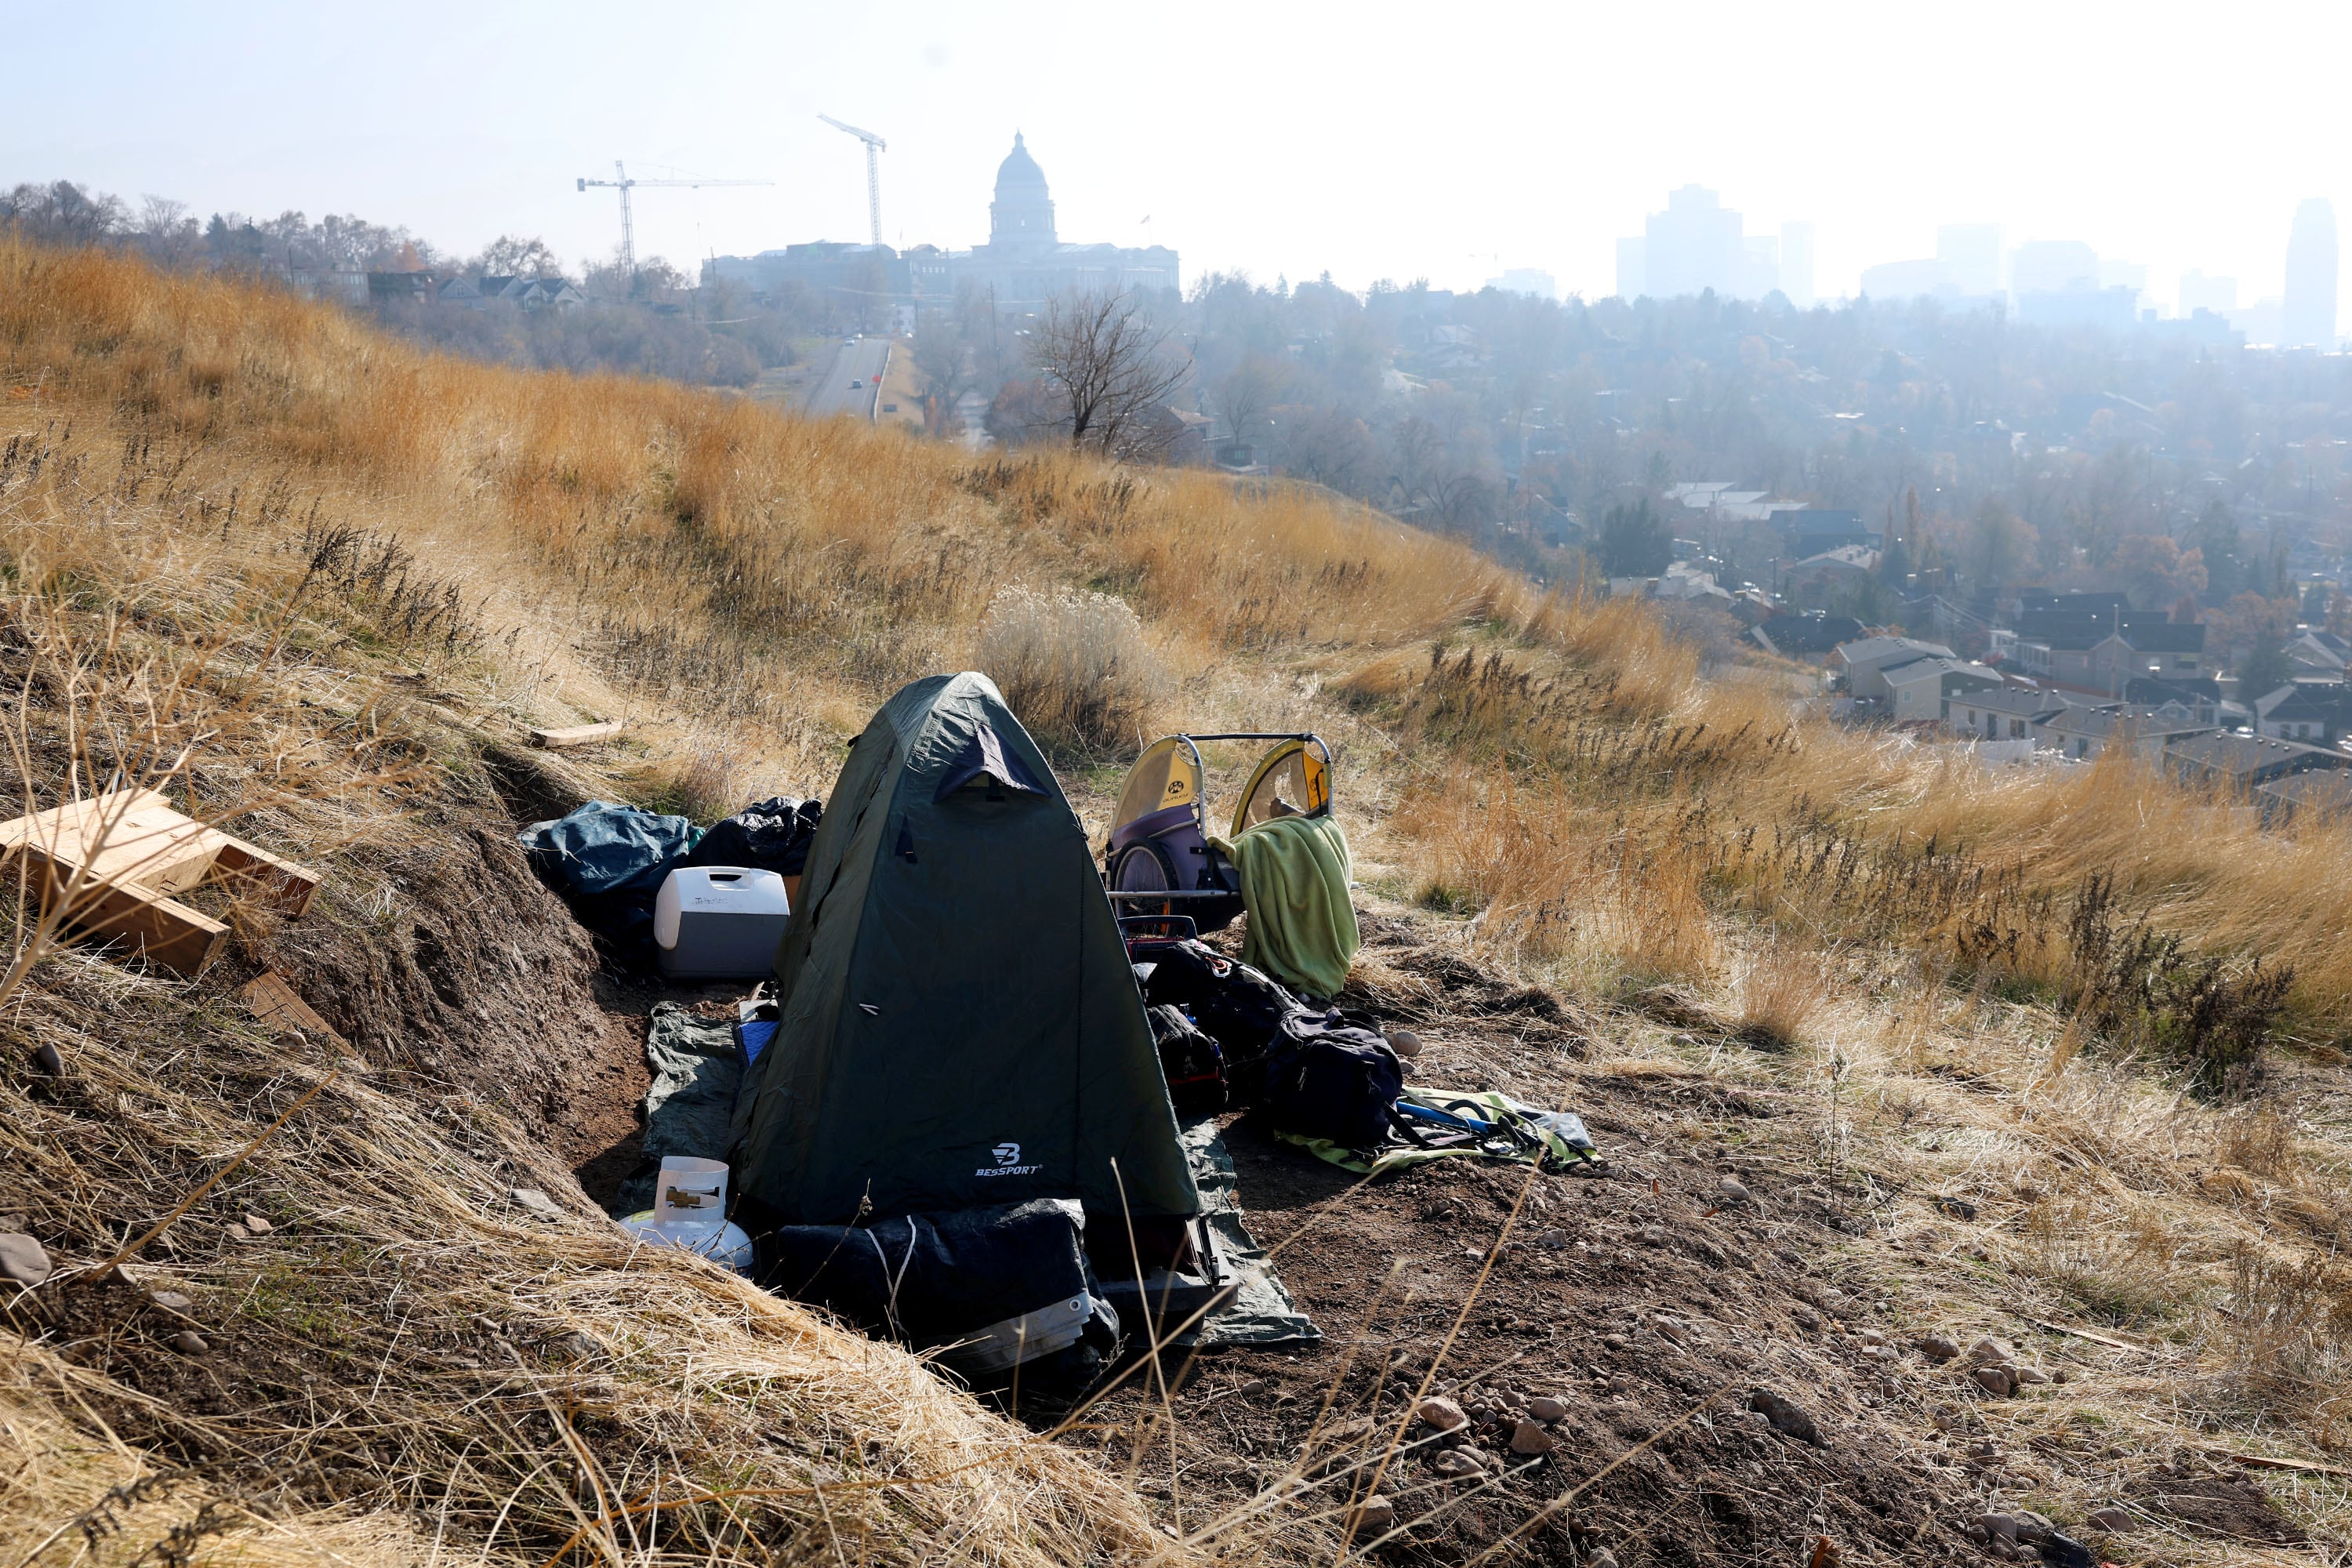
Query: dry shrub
{"points": [[2285, 1327], [702, 787], [2259, 1139], [2116, 1263], [1781, 991], [1073, 667]]}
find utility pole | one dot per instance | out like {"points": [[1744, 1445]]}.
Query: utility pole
{"points": [[623, 184], [873, 172]]}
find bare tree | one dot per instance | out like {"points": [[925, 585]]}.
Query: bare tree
{"points": [[1110, 372], [944, 369], [1245, 393]]}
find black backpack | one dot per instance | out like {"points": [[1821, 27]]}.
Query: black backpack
{"points": [[1245, 1010], [1328, 1079], [1183, 969], [1190, 1061]]}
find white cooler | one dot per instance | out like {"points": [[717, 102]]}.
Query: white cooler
{"points": [[719, 923]]}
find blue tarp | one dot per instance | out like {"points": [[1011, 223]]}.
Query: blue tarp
{"points": [[607, 848]]}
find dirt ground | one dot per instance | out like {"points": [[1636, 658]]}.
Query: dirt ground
{"points": [[1655, 1303], [1658, 1305]]}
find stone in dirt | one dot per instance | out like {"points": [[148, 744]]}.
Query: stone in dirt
{"points": [[1544, 1407], [258, 1226], [1785, 1415], [24, 1261], [1404, 1043], [1442, 1414], [1936, 1348], [1730, 1190], [187, 1342], [1527, 1437], [1376, 1514], [46, 1057], [2032, 1375], [1456, 1462], [1990, 1351], [171, 1300], [2114, 1520], [1997, 1381]]}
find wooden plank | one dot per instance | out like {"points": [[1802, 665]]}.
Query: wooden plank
{"points": [[273, 1002], [130, 850], [169, 933], [2264, 1462], [578, 735], [281, 884], [125, 835], [2081, 1333]]}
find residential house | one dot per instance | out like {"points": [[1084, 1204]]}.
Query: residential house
{"points": [[522, 293], [1681, 580], [1921, 689], [1861, 662], [2083, 733], [2322, 793], [2302, 710], [2246, 762], [1808, 638], [2005, 713], [2319, 653], [1811, 532], [347, 286], [2103, 651], [1839, 568], [400, 285]]}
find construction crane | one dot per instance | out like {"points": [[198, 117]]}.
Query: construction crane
{"points": [[622, 182], [873, 171]]}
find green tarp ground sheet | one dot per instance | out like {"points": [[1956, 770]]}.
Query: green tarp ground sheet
{"points": [[1261, 1311], [697, 1068], [1552, 1139], [690, 1108]]}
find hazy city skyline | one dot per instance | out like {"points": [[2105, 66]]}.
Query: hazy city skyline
{"points": [[1455, 152]]}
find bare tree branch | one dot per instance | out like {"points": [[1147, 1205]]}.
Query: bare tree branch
{"points": [[1111, 371]]}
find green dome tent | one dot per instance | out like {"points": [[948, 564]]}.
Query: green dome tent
{"points": [[957, 1023]]}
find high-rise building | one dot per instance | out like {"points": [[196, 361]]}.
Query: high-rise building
{"points": [[1796, 264], [2199, 292], [1632, 280], [1970, 254], [2307, 310], [1693, 245], [2053, 266], [1526, 280]]}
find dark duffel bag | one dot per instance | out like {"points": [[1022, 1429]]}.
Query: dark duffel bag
{"points": [[1190, 1061], [1330, 1079]]}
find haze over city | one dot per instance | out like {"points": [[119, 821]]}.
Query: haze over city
{"points": [[1377, 141]]}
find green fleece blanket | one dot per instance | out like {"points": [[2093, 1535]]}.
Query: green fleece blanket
{"points": [[1302, 924]]}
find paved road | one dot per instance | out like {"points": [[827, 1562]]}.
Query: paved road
{"points": [[861, 362]]}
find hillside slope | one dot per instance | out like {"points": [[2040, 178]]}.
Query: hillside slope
{"points": [[1933, 1020]]}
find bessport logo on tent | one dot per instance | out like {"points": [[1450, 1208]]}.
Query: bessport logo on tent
{"points": [[1007, 1157]]}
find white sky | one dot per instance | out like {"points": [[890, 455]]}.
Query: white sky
{"points": [[1370, 140]]}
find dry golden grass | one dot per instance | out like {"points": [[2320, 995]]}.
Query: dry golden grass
{"points": [[745, 588]]}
